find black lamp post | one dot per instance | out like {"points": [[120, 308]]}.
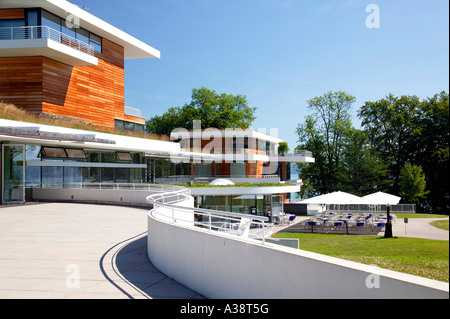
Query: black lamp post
{"points": [[388, 229]]}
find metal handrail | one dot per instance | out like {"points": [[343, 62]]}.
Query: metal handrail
{"points": [[179, 194], [45, 32]]}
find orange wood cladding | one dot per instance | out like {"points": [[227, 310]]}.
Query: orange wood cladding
{"points": [[6, 14], [91, 93], [21, 82]]}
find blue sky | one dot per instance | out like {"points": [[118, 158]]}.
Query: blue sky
{"points": [[281, 53]]}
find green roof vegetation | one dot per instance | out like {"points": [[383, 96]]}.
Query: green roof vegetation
{"points": [[11, 112]]}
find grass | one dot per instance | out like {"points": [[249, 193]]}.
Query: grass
{"points": [[420, 257], [404, 215], [441, 224], [11, 112]]}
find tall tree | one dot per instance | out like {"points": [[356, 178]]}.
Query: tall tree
{"points": [[432, 143], [391, 124], [212, 109], [323, 133], [362, 171]]}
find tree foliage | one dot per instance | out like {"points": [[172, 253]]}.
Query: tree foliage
{"points": [[396, 132], [412, 183], [212, 109]]}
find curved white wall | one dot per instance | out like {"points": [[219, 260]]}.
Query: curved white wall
{"points": [[218, 266]]}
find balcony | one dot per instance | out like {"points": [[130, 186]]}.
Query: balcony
{"points": [[45, 41], [298, 156]]}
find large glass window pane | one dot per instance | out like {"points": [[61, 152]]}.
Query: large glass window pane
{"points": [[107, 157], [122, 175], [73, 177], [136, 175], [91, 175], [92, 156], [13, 173], [83, 36], [107, 175], [238, 169], [52, 177], [32, 17], [51, 20], [6, 33], [96, 42]]}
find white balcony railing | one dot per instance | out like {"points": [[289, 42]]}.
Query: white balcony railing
{"points": [[44, 32], [132, 111]]}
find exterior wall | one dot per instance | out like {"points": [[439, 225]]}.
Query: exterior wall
{"points": [[223, 267], [91, 93], [21, 82]]}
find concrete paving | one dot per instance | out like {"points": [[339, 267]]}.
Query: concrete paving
{"points": [[79, 251]]}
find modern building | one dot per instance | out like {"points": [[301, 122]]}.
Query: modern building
{"points": [[56, 58]]}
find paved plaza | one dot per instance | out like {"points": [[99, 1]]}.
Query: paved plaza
{"points": [[79, 251]]}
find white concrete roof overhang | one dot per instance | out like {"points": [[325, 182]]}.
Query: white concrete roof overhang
{"points": [[134, 48]]}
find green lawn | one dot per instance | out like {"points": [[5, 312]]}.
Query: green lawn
{"points": [[420, 257]]}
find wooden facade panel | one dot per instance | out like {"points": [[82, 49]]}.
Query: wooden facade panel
{"points": [[90, 93], [21, 82], [112, 53], [7, 14]]}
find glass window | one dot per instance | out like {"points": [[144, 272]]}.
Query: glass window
{"points": [[107, 157], [123, 157], [91, 175], [32, 17], [68, 31], [73, 176], [83, 36], [95, 41], [53, 152], [136, 175], [9, 34], [75, 154], [50, 20], [93, 156], [136, 158], [122, 175], [107, 175], [238, 169], [52, 176]]}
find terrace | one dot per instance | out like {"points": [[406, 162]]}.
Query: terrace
{"points": [[46, 41]]}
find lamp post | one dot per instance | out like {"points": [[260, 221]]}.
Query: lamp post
{"points": [[388, 229]]}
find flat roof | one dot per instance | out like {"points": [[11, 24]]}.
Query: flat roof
{"points": [[227, 133], [134, 48]]}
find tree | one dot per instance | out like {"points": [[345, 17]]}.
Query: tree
{"points": [[283, 148], [432, 144], [391, 123], [412, 183], [405, 129], [362, 172], [214, 110], [323, 133]]}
